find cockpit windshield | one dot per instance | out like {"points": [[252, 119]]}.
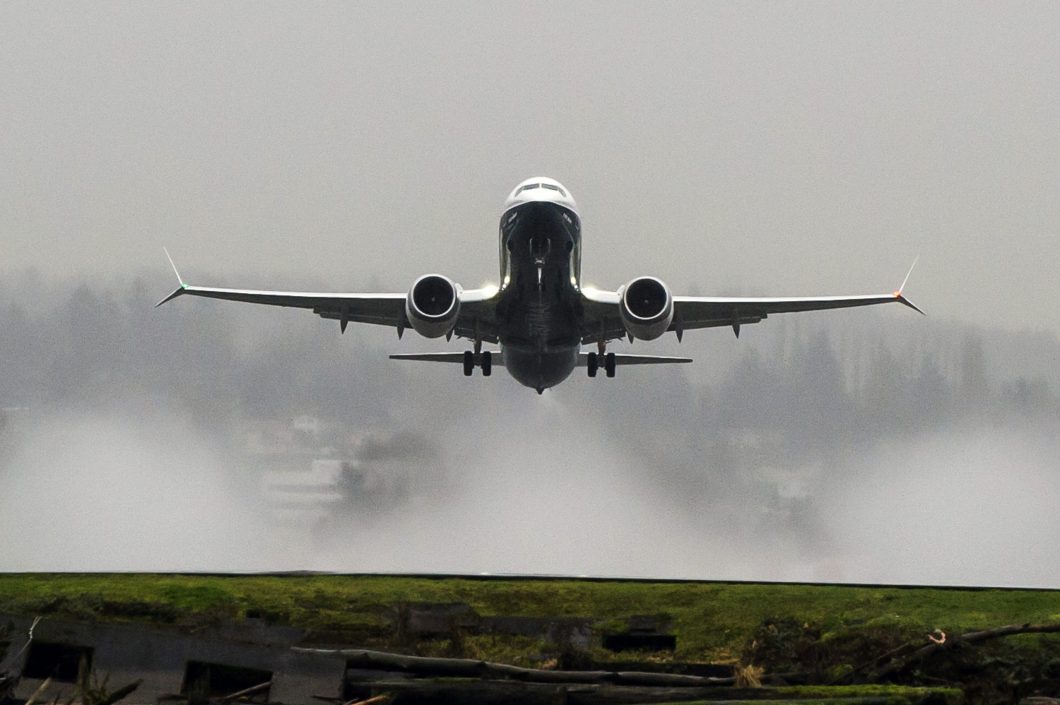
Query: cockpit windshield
{"points": [[552, 187], [543, 189]]}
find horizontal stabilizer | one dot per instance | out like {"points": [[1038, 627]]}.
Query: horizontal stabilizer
{"points": [[458, 357], [621, 359]]}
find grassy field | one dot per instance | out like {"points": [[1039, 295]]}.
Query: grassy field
{"points": [[714, 622]]}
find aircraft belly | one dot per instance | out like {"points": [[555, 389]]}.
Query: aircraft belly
{"points": [[540, 340], [540, 350], [540, 369]]}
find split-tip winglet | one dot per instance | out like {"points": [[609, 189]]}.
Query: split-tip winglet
{"points": [[171, 264], [898, 294], [172, 296], [179, 291], [910, 304]]}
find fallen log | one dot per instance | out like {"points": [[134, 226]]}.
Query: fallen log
{"points": [[39, 691], [492, 692], [899, 664], [247, 691], [377, 700], [121, 693], [430, 667]]}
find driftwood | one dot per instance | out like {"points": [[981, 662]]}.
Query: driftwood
{"points": [[492, 692], [471, 668], [942, 644], [377, 700], [120, 693], [39, 691], [385, 697], [247, 691]]}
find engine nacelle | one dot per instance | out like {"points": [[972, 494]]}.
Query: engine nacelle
{"points": [[432, 305], [647, 308]]}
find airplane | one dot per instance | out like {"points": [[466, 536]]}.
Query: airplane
{"points": [[540, 315]]}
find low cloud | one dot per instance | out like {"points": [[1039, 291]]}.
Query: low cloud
{"points": [[854, 449]]}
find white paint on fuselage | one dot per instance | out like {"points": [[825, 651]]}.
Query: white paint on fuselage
{"points": [[540, 189]]}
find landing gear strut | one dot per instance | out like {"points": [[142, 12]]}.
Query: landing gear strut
{"points": [[594, 358], [485, 361], [592, 363]]}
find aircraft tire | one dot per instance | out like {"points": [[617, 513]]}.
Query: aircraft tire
{"points": [[609, 364], [487, 363], [469, 363], [592, 364]]}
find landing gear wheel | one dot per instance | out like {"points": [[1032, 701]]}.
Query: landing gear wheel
{"points": [[469, 363], [592, 363], [609, 364], [487, 363]]}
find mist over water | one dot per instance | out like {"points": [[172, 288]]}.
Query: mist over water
{"points": [[970, 506], [865, 447], [104, 490]]}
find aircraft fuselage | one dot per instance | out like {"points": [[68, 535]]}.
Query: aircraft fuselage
{"points": [[538, 310]]}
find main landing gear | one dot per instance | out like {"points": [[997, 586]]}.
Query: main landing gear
{"points": [[593, 363], [485, 361]]}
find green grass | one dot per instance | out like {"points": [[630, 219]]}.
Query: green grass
{"points": [[713, 621], [952, 695]]}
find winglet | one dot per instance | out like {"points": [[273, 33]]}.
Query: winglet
{"points": [[900, 289], [179, 291], [898, 294], [181, 281]]}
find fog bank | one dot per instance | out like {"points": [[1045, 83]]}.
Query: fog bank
{"points": [[856, 448]]}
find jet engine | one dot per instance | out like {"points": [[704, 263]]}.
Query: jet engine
{"points": [[647, 308], [432, 305]]}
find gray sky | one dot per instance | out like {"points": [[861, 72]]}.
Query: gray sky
{"points": [[780, 148], [775, 148]]}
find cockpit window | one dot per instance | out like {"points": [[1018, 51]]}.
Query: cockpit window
{"points": [[539, 185]]}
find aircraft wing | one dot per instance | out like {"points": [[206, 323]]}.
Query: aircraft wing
{"points": [[454, 357], [603, 319], [387, 309], [692, 312]]}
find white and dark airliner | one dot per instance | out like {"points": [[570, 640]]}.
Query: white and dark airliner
{"points": [[540, 316]]}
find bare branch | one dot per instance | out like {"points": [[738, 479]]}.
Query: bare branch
{"points": [[942, 644]]}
